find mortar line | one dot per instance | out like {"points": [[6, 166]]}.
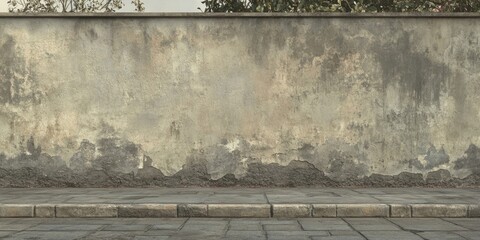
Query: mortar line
{"points": [[183, 224], [403, 229], [354, 229], [268, 202], [457, 224]]}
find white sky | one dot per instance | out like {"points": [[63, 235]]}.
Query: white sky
{"points": [[150, 6]]}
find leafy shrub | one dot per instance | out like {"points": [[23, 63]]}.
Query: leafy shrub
{"points": [[341, 5]]}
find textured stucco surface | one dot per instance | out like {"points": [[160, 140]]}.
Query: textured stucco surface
{"points": [[249, 101]]}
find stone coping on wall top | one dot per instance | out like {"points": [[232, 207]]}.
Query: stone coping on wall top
{"points": [[241, 15]]}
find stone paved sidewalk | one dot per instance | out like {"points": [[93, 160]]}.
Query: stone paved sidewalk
{"points": [[244, 228], [240, 202]]}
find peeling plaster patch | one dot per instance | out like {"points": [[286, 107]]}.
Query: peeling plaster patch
{"points": [[229, 157], [34, 168], [439, 176], [343, 165], [117, 155], [294, 174], [470, 161], [109, 155], [432, 159], [85, 156], [337, 159], [31, 156]]}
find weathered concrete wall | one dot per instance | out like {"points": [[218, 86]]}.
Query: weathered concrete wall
{"points": [[239, 101]]}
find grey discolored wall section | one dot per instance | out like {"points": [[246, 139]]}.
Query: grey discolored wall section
{"points": [[251, 101]]}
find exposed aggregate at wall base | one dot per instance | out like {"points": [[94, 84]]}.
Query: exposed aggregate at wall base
{"points": [[226, 101]]}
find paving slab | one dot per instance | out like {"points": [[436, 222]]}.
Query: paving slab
{"points": [[325, 224], [50, 235], [390, 235], [365, 224], [469, 223], [440, 235], [208, 228], [427, 224], [471, 235]]}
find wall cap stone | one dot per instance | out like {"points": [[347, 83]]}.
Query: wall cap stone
{"points": [[242, 15]]}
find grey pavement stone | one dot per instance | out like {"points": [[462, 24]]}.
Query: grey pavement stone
{"points": [[205, 226], [126, 227], [474, 211], [344, 233], [361, 224], [199, 233], [218, 228], [468, 223], [288, 237], [291, 210], [15, 227], [439, 210], [439, 235], [63, 227], [297, 233], [147, 210], [279, 221], [390, 235], [6, 233], [151, 237], [282, 227], [226, 196], [239, 237], [400, 211], [8, 220], [245, 227], [239, 210], [45, 211], [116, 235], [16, 210], [324, 224], [426, 224], [339, 238], [324, 210], [471, 235], [156, 221], [85, 221], [86, 210], [192, 210], [166, 226], [362, 210], [254, 233], [164, 232], [50, 235], [247, 221]]}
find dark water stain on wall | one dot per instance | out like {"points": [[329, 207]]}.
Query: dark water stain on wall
{"points": [[419, 78], [17, 82], [114, 162]]}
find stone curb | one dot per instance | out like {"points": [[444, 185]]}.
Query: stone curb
{"points": [[239, 210]]}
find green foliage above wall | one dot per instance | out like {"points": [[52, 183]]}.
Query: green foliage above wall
{"points": [[341, 6]]}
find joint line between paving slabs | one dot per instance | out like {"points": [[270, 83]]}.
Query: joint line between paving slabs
{"points": [[268, 202], [351, 226]]}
